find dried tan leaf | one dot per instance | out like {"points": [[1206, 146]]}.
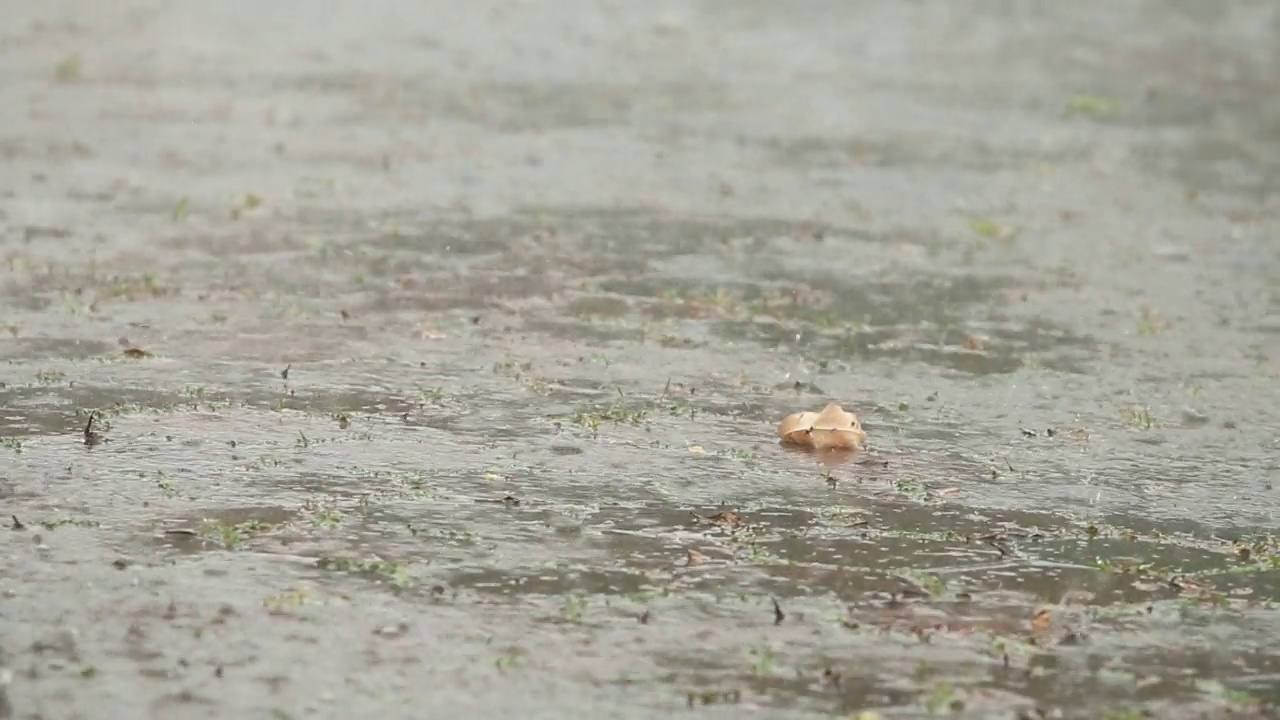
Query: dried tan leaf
{"points": [[834, 427], [1040, 621], [728, 519], [697, 558]]}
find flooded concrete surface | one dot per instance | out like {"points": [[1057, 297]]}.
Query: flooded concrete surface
{"points": [[423, 359]]}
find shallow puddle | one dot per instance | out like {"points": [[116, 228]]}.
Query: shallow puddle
{"points": [[391, 368]]}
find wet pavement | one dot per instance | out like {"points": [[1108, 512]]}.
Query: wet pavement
{"points": [[424, 359]]}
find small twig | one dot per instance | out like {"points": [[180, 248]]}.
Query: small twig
{"points": [[91, 436]]}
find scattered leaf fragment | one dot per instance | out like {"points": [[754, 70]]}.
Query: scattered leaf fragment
{"points": [[832, 428], [991, 230], [1092, 106], [243, 204], [69, 69], [1187, 585]]}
